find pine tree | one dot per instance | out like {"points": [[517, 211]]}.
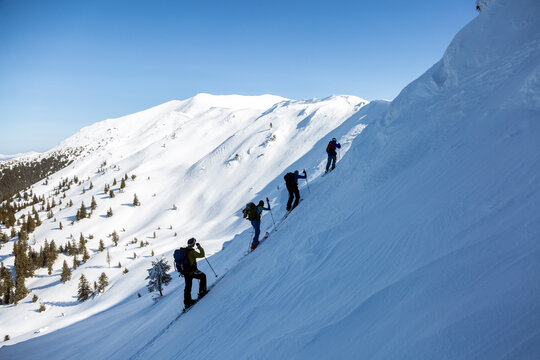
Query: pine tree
{"points": [[108, 259], [157, 276], [109, 212], [82, 211], [115, 238], [101, 245], [60, 226], [111, 194], [20, 288], [152, 252], [66, 273], [82, 244], [70, 202], [93, 204], [122, 184], [103, 282], [6, 285], [76, 262], [136, 201], [85, 291], [134, 256], [86, 256], [114, 182]]}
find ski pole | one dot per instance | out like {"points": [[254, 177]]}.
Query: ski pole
{"points": [[307, 182], [210, 266], [268, 203]]}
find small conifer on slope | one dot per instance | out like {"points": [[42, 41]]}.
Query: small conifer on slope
{"points": [[157, 276]]}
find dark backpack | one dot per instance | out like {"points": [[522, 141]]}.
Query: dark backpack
{"points": [[330, 148], [289, 178], [250, 211], [181, 261]]}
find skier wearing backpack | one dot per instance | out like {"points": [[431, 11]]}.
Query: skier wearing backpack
{"points": [[253, 213], [291, 180], [332, 154], [185, 260]]}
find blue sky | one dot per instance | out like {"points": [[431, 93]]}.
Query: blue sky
{"points": [[68, 64]]}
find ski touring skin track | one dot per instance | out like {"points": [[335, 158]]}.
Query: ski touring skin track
{"points": [[164, 330]]}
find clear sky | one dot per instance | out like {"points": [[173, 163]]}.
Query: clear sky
{"points": [[68, 64]]}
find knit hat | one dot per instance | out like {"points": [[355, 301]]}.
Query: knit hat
{"points": [[191, 242]]}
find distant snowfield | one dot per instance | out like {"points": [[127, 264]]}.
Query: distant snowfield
{"points": [[423, 243], [4, 157]]}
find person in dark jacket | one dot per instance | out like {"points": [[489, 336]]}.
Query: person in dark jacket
{"points": [[194, 273], [256, 223], [332, 154], [291, 180]]}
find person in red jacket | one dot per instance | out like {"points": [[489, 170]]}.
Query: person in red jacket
{"points": [[332, 154]]}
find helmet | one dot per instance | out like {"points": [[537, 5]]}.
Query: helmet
{"points": [[334, 139], [191, 242], [296, 172]]}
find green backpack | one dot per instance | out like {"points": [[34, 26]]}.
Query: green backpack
{"points": [[250, 211]]}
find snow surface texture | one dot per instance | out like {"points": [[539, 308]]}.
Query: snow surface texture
{"points": [[423, 243]]}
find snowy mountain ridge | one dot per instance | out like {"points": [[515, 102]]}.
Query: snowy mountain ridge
{"points": [[176, 151]]}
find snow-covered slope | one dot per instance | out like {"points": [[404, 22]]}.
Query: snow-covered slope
{"points": [[423, 243], [4, 157], [196, 163]]}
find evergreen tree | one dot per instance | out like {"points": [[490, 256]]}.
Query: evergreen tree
{"points": [[6, 285], [70, 202], [76, 262], [84, 290], [37, 219], [136, 201], [30, 225], [82, 211], [109, 212], [66, 273], [60, 226], [111, 194], [20, 288], [82, 244], [108, 259], [114, 182], [122, 184], [86, 256], [157, 276], [93, 204], [103, 282], [153, 253], [101, 245], [115, 238]]}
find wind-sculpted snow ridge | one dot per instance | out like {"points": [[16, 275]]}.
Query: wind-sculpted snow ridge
{"points": [[422, 244]]}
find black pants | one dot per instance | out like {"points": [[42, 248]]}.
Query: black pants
{"points": [[189, 281], [293, 192]]}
